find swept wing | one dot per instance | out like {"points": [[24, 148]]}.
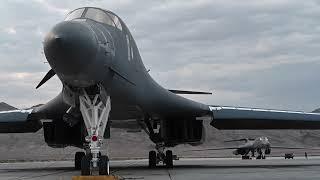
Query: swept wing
{"points": [[227, 117]]}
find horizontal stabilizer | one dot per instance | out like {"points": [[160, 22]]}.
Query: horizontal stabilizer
{"points": [[187, 92], [18, 121]]}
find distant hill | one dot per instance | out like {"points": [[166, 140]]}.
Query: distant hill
{"points": [[6, 107], [316, 110]]}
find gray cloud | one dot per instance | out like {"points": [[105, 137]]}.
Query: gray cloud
{"points": [[253, 53]]}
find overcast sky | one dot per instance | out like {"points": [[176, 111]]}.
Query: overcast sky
{"points": [[262, 53]]}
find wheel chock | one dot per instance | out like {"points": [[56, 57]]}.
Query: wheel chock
{"points": [[96, 178]]}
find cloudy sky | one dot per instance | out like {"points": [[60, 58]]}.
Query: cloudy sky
{"points": [[248, 53]]}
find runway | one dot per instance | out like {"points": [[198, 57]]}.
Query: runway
{"points": [[192, 168]]}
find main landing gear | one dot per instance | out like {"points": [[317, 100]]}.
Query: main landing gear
{"points": [[261, 154], [159, 156], [245, 157], [95, 112]]}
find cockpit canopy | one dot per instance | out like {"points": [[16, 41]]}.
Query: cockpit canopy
{"points": [[95, 14]]}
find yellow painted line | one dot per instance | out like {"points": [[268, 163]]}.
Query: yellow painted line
{"points": [[95, 178]]}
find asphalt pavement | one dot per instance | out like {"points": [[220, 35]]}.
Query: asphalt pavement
{"points": [[185, 168]]}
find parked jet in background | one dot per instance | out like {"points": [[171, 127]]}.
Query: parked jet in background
{"points": [[260, 145], [97, 60]]}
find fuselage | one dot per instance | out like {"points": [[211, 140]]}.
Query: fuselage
{"points": [[261, 142], [94, 46]]}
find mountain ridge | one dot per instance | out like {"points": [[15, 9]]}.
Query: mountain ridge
{"points": [[6, 107]]}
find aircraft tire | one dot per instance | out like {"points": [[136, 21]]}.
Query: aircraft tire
{"points": [[263, 157], [103, 165], [152, 159], [77, 159], [245, 157], [86, 165], [169, 159]]}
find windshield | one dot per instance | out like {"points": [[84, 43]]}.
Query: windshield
{"points": [[103, 17], [74, 14], [99, 16]]}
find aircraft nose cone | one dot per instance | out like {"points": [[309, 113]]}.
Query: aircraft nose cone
{"points": [[69, 47]]}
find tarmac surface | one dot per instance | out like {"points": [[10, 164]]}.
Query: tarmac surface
{"points": [[185, 168]]}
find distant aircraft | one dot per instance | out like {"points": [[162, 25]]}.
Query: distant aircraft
{"points": [[261, 145], [98, 63]]}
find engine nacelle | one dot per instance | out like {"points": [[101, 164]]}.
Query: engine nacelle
{"points": [[186, 131], [58, 134]]}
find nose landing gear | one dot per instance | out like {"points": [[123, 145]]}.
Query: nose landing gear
{"points": [[95, 114]]}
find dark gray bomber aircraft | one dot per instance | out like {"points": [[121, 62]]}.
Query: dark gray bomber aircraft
{"points": [[97, 60]]}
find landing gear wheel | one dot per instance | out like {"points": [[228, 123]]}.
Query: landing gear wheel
{"points": [[263, 157], [245, 157], [152, 159], [103, 165], [169, 159], [259, 157], [77, 160], [86, 165]]}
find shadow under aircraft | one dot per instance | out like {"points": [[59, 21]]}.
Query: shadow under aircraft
{"points": [[104, 79]]}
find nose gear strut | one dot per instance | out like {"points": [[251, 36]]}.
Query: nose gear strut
{"points": [[95, 111]]}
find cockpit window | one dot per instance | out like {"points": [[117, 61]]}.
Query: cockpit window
{"points": [[99, 16], [96, 15], [116, 21], [74, 14]]}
